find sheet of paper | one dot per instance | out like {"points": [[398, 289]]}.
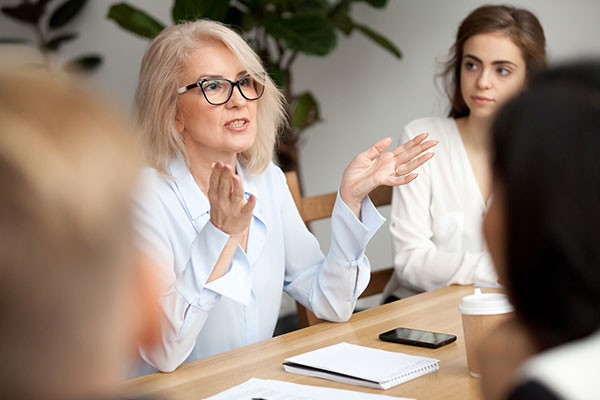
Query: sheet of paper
{"points": [[269, 389]]}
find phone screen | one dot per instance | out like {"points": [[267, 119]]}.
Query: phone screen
{"points": [[417, 337]]}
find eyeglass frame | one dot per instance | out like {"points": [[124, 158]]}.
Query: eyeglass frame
{"points": [[232, 85]]}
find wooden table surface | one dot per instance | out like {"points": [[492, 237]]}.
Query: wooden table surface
{"points": [[435, 311]]}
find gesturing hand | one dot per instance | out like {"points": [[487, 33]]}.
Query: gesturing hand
{"points": [[373, 168], [228, 210]]}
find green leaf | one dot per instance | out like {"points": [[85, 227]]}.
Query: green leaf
{"points": [[54, 43], [277, 75], [310, 34], [239, 20], [380, 40], [373, 3], [65, 13], [191, 10], [85, 63], [29, 13], [134, 20], [305, 111], [309, 6]]}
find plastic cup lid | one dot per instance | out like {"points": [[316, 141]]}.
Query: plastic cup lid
{"points": [[485, 304]]}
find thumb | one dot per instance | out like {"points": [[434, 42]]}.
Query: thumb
{"points": [[375, 150]]}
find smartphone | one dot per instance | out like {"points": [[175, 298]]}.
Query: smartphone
{"points": [[415, 337]]}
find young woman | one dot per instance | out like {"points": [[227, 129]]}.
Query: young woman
{"points": [[217, 215], [436, 221], [543, 230]]}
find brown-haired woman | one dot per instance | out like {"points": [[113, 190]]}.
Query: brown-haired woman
{"points": [[436, 221]]}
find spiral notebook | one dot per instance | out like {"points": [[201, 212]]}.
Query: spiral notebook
{"points": [[359, 365]]}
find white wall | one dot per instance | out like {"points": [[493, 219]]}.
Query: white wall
{"points": [[364, 92]]}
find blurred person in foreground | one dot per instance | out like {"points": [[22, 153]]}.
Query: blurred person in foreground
{"points": [[75, 298], [543, 233]]}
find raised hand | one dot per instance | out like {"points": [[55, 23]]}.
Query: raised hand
{"points": [[229, 211], [374, 167]]}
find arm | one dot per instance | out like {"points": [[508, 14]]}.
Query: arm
{"points": [[329, 286], [198, 270], [418, 262]]}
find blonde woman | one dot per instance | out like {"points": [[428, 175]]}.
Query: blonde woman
{"points": [[216, 213]]}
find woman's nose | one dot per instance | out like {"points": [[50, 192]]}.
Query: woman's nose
{"points": [[483, 81], [236, 100]]}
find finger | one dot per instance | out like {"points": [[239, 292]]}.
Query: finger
{"points": [[410, 166], [249, 206], [410, 144], [373, 151], [225, 184], [215, 178], [416, 150], [403, 180], [237, 195]]}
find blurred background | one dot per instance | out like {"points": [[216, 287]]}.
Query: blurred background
{"points": [[364, 91]]}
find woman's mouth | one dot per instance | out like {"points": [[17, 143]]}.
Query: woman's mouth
{"points": [[237, 124], [481, 100]]}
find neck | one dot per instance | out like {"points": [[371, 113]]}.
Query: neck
{"points": [[201, 165], [475, 131]]}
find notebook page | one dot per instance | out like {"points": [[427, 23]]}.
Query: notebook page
{"points": [[362, 362]]}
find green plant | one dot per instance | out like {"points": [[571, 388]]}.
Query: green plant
{"points": [[49, 35], [278, 30]]}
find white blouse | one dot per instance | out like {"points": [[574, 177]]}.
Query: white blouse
{"points": [[436, 220], [242, 307]]}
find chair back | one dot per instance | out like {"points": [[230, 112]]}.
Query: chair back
{"points": [[313, 208]]}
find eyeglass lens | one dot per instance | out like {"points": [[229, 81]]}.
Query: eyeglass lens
{"points": [[219, 91]]}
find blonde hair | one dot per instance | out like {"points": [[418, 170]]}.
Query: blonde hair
{"points": [[67, 169], [156, 99]]}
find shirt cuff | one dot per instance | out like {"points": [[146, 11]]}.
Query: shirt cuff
{"points": [[349, 235], [236, 283]]}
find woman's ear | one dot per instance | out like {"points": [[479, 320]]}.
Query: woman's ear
{"points": [[178, 122], [148, 291]]}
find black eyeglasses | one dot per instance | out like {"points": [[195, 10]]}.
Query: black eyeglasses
{"points": [[218, 91]]}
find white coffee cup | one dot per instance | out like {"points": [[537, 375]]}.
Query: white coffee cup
{"points": [[481, 313]]}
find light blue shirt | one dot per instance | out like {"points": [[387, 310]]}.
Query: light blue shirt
{"points": [[242, 307]]}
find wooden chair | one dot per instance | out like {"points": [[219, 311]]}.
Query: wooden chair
{"points": [[314, 208]]}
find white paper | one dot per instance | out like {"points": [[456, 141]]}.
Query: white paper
{"points": [[278, 390], [366, 363]]}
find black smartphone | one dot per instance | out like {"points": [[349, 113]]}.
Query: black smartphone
{"points": [[415, 337]]}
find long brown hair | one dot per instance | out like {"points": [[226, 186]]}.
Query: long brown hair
{"points": [[520, 25]]}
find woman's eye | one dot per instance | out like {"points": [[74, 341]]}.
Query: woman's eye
{"points": [[470, 66], [246, 82], [212, 86], [503, 71]]}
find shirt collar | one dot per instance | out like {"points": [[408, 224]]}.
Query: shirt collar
{"points": [[194, 200]]}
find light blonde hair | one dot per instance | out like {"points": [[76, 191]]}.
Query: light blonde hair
{"points": [[67, 168], [161, 74]]}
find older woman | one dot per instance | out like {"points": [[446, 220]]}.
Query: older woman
{"points": [[216, 214]]}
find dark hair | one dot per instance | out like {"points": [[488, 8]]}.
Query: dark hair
{"points": [[546, 156], [520, 25]]}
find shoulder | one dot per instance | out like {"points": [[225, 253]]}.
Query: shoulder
{"points": [[438, 128]]}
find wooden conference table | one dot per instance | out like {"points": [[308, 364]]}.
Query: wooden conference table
{"points": [[435, 311]]}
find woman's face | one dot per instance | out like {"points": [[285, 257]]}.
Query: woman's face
{"points": [[494, 231], [492, 71], [215, 132]]}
